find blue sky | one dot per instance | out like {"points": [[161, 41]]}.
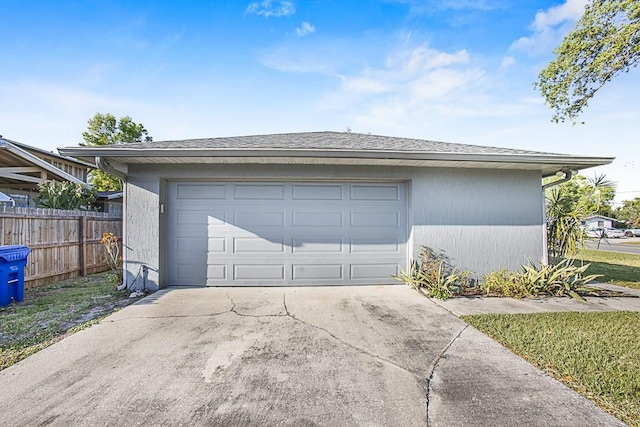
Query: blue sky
{"points": [[448, 70]]}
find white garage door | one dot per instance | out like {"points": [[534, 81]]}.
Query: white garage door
{"points": [[257, 234]]}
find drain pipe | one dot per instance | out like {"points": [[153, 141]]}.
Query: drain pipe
{"points": [[568, 174]]}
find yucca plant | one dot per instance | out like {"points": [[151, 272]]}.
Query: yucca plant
{"points": [[564, 231], [563, 278], [434, 274], [64, 195]]}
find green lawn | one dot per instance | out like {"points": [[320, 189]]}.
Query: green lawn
{"points": [[49, 313], [596, 354], [617, 268]]}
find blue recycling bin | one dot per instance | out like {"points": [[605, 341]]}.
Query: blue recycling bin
{"points": [[12, 262]]}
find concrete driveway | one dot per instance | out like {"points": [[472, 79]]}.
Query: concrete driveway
{"points": [[370, 356]]}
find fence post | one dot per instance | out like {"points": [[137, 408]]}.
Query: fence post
{"points": [[82, 236]]}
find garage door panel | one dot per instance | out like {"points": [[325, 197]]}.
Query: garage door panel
{"points": [[317, 192], [258, 192], [190, 272], [319, 246], [375, 192], [373, 271], [201, 217], [253, 245], [199, 191], [259, 218], [258, 272], [317, 272], [217, 245], [217, 272], [317, 219], [191, 244], [278, 234]]}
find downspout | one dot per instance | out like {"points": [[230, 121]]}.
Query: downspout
{"points": [[568, 174], [105, 166]]}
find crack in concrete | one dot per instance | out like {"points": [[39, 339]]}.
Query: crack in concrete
{"points": [[237, 313], [288, 314], [284, 303], [347, 344], [434, 365], [172, 316]]}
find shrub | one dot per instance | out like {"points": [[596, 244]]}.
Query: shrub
{"points": [[434, 274], [563, 278], [504, 282], [113, 257], [559, 279], [65, 195]]}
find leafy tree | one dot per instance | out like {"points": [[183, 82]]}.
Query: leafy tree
{"points": [[65, 195], [105, 129], [595, 193], [630, 212], [604, 43], [600, 193]]}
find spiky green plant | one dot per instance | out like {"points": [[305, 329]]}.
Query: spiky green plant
{"points": [[564, 231], [563, 278], [435, 275], [65, 195]]}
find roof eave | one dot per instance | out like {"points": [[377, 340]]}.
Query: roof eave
{"points": [[20, 152], [356, 154]]}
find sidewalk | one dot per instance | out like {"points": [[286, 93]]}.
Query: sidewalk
{"points": [[463, 306], [478, 382]]}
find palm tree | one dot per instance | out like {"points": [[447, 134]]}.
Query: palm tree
{"points": [[598, 183], [564, 230]]}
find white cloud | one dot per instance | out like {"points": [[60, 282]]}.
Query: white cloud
{"points": [[549, 26], [411, 86], [416, 73], [571, 10], [423, 58], [304, 29], [507, 62], [268, 8], [62, 97], [437, 84], [363, 85]]}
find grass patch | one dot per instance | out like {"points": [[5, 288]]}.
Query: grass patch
{"points": [[616, 267], [596, 354], [49, 313]]}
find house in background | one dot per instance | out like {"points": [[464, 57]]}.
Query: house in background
{"points": [[598, 221], [109, 201], [325, 208], [23, 167], [6, 200]]}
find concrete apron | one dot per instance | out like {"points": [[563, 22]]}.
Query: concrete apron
{"points": [[373, 356]]}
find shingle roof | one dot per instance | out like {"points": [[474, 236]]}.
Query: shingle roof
{"points": [[328, 141], [330, 148]]}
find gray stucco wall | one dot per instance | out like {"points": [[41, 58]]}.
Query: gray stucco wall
{"points": [[481, 219]]}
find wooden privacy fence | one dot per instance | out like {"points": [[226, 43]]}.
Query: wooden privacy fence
{"points": [[64, 244]]}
